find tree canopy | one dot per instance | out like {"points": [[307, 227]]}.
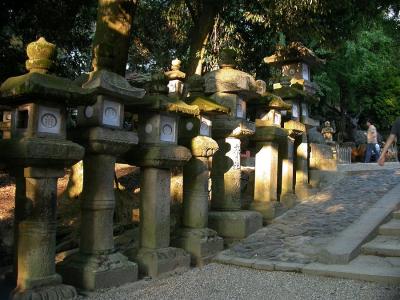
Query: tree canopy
{"points": [[359, 39]]}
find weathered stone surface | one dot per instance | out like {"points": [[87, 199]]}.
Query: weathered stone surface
{"points": [[266, 181], [158, 155], [51, 292], [201, 243], [92, 272], [235, 224], [97, 265], [154, 262], [105, 140], [228, 80], [39, 151]]}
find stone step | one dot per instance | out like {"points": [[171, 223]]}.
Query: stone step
{"points": [[364, 267], [390, 228], [396, 214], [382, 245]]}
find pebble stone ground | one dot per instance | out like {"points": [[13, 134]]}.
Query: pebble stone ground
{"points": [[298, 235], [217, 281]]}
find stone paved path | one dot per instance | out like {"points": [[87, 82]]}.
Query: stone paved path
{"points": [[298, 235]]}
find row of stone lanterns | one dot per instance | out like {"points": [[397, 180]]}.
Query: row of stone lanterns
{"points": [[175, 129]]}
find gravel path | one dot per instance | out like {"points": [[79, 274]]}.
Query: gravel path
{"points": [[298, 235], [229, 282]]}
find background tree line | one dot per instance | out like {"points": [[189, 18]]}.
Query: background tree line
{"points": [[360, 40]]}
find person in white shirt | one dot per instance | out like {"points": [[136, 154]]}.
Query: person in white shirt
{"points": [[372, 142]]}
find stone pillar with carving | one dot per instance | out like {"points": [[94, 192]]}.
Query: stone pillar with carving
{"points": [[36, 151], [231, 88]]}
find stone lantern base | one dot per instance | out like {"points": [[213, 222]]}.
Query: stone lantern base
{"points": [[154, 262], [91, 272], [202, 244], [234, 225], [266, 209], [48, 292], [288, 200]]}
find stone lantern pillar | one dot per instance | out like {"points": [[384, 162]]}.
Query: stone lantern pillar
{"points": [[36, 151], [194, 132], [157, 154], [99, 130], [228, 87], [269, 135]]}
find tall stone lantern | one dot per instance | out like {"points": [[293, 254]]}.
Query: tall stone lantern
{"points": [[156, 155], [36, 152], [229, 87], [296, 87], [100, 131], [268, 137], [195, 133]]}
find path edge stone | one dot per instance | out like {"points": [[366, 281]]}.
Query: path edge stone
{"points": [[347, 245]]}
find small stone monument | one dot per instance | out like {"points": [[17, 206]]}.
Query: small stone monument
{"points": [[36, 151], [230, 87], [99, 130], [156, 155], [195, 133]]}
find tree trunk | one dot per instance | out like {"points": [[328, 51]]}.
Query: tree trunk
{"points": [[203, 24], [75, 182], [112, 37]]}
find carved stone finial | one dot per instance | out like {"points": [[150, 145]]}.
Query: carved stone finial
{"points": [[227, 58], [195, 84], [176, 64], [41, 56]]}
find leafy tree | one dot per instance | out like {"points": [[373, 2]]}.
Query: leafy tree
{"points": [[361, 79]]}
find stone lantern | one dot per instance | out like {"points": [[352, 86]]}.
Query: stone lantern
{"points": [[195, 133], [100, 131], [230, 87], [296, 88], [268, 137], [156, 155], [176, 78], [36, 152], [295, 62]]}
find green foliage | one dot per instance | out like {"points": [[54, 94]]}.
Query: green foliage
{"points": [[362, 77], [67, 23]]}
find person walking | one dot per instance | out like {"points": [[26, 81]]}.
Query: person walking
{"points": [[394, 136], [372, 142]]}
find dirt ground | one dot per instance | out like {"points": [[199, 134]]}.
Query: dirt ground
{"points": [[68, 210]]}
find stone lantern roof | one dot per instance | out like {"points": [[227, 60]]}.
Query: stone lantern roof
{"points": [[288, 90], [175, 73], [294, 52], [228, 79], [38, 84], [195, 88], [156, 98]]}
